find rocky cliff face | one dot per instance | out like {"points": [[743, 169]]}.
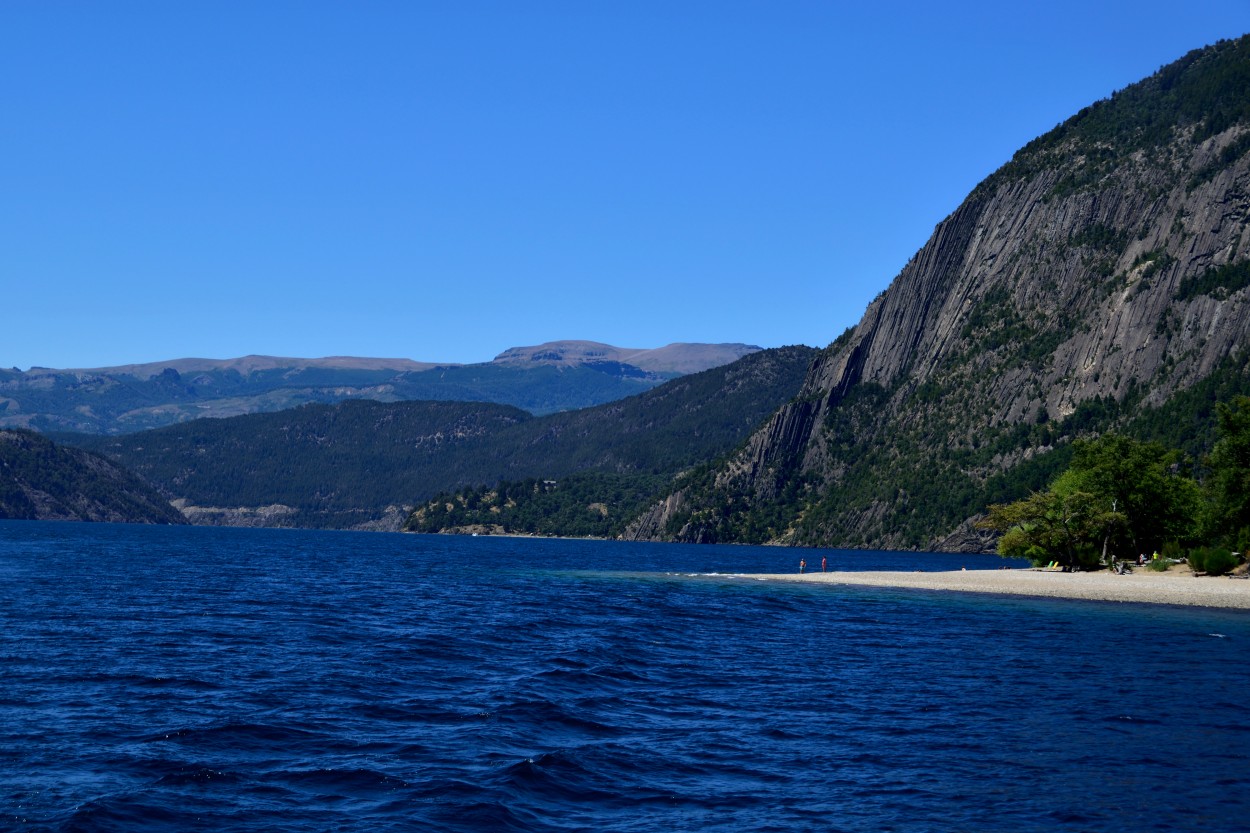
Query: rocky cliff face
{"points": [[1105, 263]]}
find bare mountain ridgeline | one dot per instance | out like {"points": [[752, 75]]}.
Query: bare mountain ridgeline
{"points": [[671, 360], [556, 376], [1099, 275]]}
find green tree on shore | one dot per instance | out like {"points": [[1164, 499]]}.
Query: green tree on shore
{"points": [[1056, 525], [1142, 481], [1118, 497]]}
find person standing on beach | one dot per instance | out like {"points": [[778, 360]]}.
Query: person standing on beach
{"points": [[824, 562], [802, 565]]}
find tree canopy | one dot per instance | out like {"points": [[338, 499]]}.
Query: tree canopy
{"points": [[1144, 484], [1230, 472], [1118, 497]]}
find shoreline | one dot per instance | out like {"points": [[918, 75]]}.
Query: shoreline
{"points": [[1172, 588]]}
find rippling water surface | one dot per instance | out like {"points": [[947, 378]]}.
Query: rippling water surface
{"points": [[158, 679]]}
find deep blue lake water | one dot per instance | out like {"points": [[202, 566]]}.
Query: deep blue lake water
{"points": [[197, 679]]}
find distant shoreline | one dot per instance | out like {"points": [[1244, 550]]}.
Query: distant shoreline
{"points": [[1173, 588]]}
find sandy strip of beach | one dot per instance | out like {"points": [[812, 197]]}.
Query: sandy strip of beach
{"points": [[1177, 587]]}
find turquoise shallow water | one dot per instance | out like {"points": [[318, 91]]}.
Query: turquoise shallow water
{"points": [[262, 680]]}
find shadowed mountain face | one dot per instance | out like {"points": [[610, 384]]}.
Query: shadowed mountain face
{"points": [[1099, 280], [42, 481], [552, 377]]}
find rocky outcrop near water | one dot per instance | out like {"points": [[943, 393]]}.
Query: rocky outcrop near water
{"points": [[1100, 274]]}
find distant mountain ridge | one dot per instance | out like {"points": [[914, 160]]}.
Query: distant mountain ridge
{"points": [[356, 464], [557, 376], [679, 358], [246, 365]]}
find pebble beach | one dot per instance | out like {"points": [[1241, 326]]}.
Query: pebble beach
{"points": [[1176, 587]]}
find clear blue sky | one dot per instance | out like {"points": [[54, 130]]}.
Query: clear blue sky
{"points": [[441, 181]]}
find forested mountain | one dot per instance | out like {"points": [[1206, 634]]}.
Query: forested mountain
{"points": [[42, 481], [357, 463], [1099, 280], [556, 376]]}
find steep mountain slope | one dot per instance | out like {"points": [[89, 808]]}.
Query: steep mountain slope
{"points": [[1097, 277], [550, 377], [357, 463], [42, 481], [590, 472]]}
